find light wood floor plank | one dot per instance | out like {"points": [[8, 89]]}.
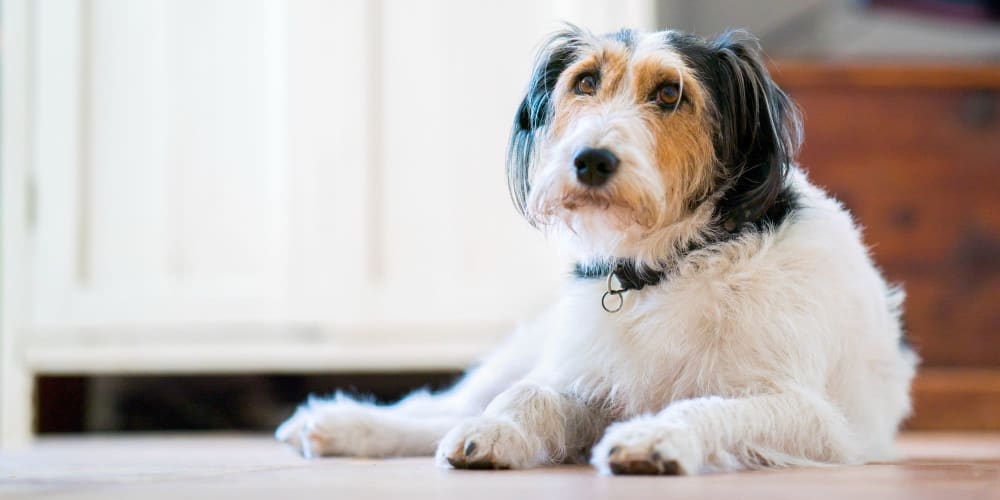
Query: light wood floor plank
{"points": [[951, 466]]}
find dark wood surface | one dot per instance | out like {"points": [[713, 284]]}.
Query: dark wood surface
{"points": [[914, 152], [920, 169], [956, 399]]}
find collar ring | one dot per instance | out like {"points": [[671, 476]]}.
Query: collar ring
{"points": [[613, 292]]}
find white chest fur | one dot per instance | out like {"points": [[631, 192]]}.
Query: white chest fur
{"points": [[743, 318]]}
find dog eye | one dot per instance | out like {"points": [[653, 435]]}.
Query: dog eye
{"points": [[586, 85], [668, 95]]}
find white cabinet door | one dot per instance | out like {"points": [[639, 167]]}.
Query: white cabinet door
{"points": [[160, 162]]}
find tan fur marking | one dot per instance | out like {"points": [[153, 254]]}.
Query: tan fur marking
{"points": [[610, 62]]}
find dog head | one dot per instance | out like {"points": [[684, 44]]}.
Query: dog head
{"points": [[635, 145]]}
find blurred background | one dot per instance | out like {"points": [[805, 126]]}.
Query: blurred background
{"points": [[212, 208]]}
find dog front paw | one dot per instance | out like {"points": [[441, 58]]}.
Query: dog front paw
{"points": [[646, 446], [488, 443], [303, 433], [290, 431], [335, 429]]}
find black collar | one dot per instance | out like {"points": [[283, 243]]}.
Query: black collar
{"points": [[630, 276]]}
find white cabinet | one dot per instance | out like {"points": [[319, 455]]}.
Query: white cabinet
{"points": [[255, 185]]}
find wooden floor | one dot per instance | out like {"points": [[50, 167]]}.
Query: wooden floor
{"points": [[955, 466]]}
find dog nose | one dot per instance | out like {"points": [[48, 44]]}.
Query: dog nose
{"points": [[594, 166]]}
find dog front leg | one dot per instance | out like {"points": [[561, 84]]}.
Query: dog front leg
{"points": [[525, 426], [714, 434]]}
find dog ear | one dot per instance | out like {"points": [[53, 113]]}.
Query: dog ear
{"points": [[760, 130], [535, 111]]}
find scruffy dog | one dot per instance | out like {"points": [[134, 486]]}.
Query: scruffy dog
{"points": [[724, 312]]}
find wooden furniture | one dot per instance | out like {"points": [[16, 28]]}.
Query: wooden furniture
{"points": [[914, 151]]}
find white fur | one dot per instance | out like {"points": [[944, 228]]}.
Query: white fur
{"points": [[777, 348]]}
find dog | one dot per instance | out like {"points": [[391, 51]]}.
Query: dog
{"points": [[723, 313]]}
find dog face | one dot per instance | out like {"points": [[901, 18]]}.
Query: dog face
{"points": [[634, 144]]}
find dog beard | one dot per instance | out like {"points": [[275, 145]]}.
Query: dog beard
{"points": [[574, 204]]}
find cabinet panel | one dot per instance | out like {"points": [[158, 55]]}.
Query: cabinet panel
{"points": [[160, 141]]}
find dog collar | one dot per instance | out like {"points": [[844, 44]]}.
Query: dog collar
{"points": [[629, 276]]}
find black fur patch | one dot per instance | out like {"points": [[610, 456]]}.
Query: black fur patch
{"points": [[783, 206], [757, 132], [535, 110]]}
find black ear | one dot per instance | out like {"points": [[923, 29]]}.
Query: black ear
{"points": [[759, 130], [535, 111]]}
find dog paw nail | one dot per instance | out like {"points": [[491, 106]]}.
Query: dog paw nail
{"points": [[618, 469], [470, 448], [656, 456], [670, 468], [613, 450]]}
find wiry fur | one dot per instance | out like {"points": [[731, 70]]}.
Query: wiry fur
{"points": [[771, 341]]}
